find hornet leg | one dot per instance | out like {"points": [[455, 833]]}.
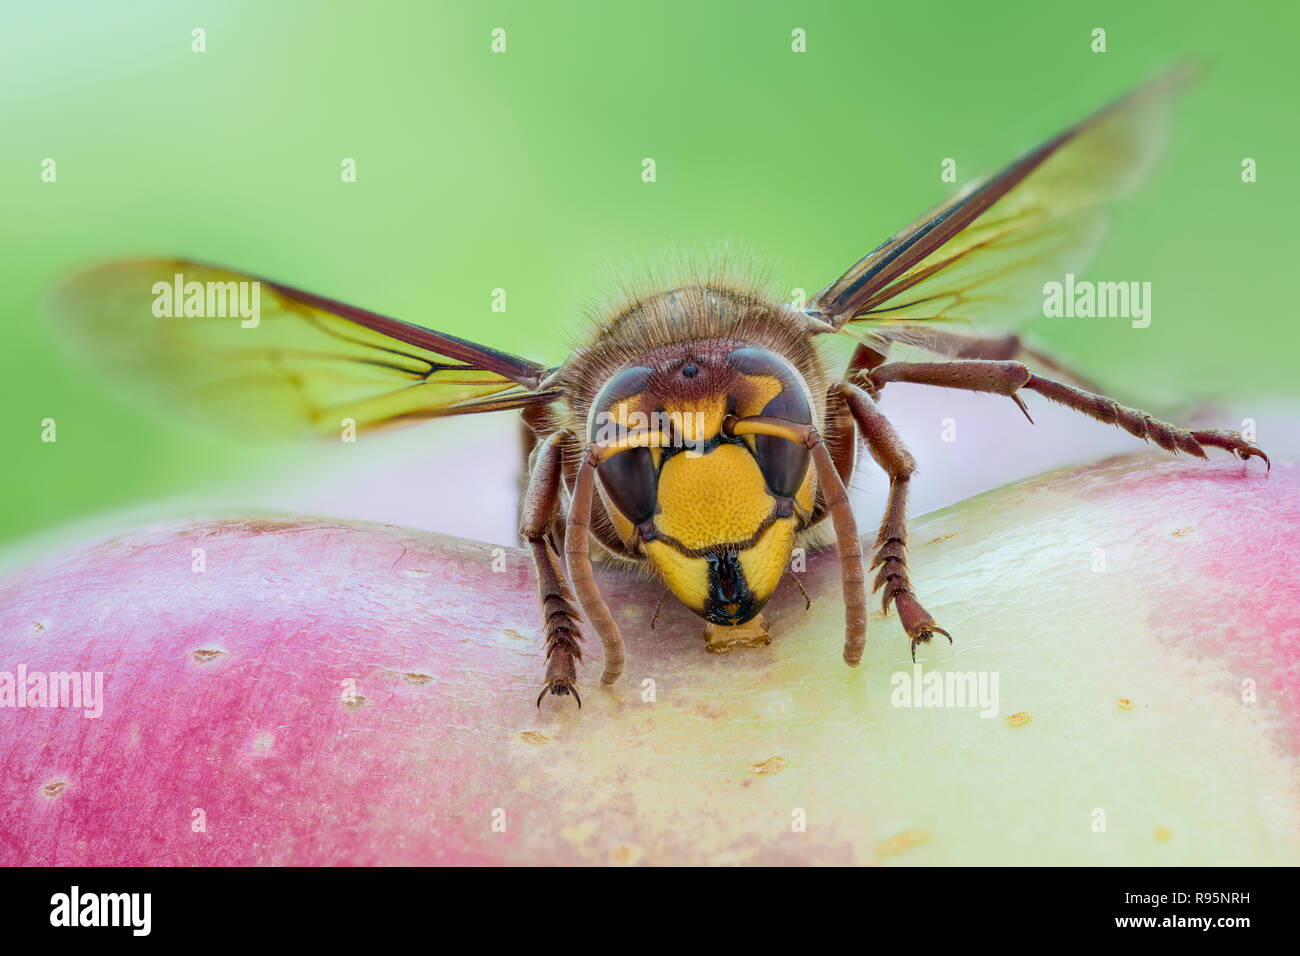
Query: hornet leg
{"points": [[576, 551], [1008, 378], [561, 620], [836, 497], [891, 542], [958, 345]]}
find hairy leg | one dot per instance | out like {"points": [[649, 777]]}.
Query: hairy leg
{"points": [[577, 553], [541, 501], [893, 457], [535, 423], [840, 438], [1005, 348], [836, 497], [1008, 378], [961, 345]]}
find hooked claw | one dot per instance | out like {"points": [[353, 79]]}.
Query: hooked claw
{"points": [[924, 636], [916, 621], [560, 687], [1245, 455]]}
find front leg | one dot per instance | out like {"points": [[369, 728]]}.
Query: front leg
{"points": [[887, 448], [578, 556], [541, 501], [836, 499]]}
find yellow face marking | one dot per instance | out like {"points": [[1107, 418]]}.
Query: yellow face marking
{"points": [[688, 578], [701, 420], [764, 563], [804, 496], [622, 525], [712, 499], [766, 388], [619, 412]]}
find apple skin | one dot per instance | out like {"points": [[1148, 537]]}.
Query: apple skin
{"points": [[350, 693]]}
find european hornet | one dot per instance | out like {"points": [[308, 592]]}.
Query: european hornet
{"points": [[700, 430]]}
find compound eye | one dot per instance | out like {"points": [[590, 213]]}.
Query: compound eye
{"points": [[629, 477], [630, 481], [783, 463]]}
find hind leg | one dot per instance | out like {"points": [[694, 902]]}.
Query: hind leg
{"points": [[1006, 348], [1008, 378], [958, 345]]}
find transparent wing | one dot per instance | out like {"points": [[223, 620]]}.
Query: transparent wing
{"points": [[984, 256], [298, 363]]}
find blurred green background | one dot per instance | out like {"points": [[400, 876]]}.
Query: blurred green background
{"points": [[522, 170]]}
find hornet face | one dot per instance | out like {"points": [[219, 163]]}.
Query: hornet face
{"points": [[716, 514]]}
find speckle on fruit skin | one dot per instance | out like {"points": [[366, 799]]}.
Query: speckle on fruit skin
{"points": [[625, 854], [54, 789], [534, 737], [901, 842], [1125, 704], [1164, 834], [770, 765], [1018, 719]]}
